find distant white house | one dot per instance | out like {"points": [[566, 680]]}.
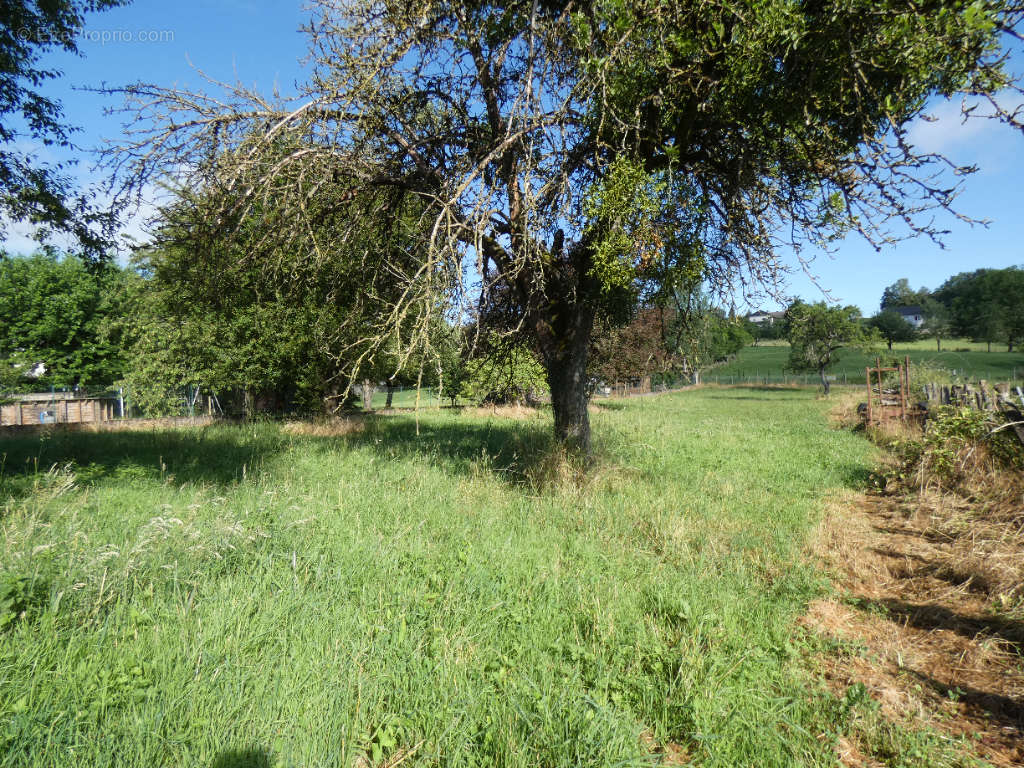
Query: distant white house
{"points": [[765, 318], [35, 372], [913, 315]]}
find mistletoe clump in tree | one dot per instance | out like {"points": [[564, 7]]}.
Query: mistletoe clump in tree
{"points": [[575, 160]]}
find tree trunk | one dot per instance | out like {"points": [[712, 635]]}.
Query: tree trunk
{"points": [[990, 346], [938, 344], [565, 347], [825, 383], [561, 318], [391, 392], [569, 400], [696, 377], [367, 388], [890, 344]]}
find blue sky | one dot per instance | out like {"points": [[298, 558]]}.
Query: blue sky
{"points": [[259, 42]]}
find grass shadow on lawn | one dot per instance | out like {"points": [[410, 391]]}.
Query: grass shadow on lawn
{"points": [[519, 451], [242, 758], [212, 455], [515, 450], [931, 617], [609, 405]]}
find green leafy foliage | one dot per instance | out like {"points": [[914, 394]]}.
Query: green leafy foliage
{"points": [[937, 321], [923, 373], [14, 599], [900, 294], [510, 376], [57, 311], [986, 305], [279, 331], [947, 452], [242, 340], [623, 209], [700, 333]]}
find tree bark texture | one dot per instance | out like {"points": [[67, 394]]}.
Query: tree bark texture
{"points": [[367, 388], [570, 396], [564, 331]]}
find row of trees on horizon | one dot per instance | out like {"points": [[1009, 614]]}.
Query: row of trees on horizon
{"points": [[986, 305]]}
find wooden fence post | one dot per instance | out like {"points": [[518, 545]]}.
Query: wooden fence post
{"points": [[868, 372]]}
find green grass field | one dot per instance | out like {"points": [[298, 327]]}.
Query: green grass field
{"points": [[406, 398], [249, 596], [761, 361]]}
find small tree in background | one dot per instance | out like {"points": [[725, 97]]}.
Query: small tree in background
{"points": [[635, 350], [817, 332], [937, 321], [892, 327], [514, 377]]}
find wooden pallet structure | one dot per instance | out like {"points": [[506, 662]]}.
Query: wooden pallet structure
{"points": [[887, 404]]}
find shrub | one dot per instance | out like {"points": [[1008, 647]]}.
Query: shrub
{"points": [[959, 448]]}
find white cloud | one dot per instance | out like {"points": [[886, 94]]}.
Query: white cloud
{"points": [[18, 236], [978, 139]]}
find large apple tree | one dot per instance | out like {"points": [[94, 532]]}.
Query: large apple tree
{"points": [[571, 160]]}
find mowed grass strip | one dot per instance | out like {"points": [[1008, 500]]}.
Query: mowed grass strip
{"points": [[252, 595]]}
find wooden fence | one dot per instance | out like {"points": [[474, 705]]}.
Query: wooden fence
{"points": [[890, 397], [626, 388], [58, 410], [982, 396]]}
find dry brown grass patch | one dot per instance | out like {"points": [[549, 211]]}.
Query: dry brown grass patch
{"points": [[668, 753], [843, 414], [933, 605], [518, 412], [341, 427], [921, 584]]}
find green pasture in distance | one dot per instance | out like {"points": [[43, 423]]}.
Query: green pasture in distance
{"points": [[969, 360]]}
